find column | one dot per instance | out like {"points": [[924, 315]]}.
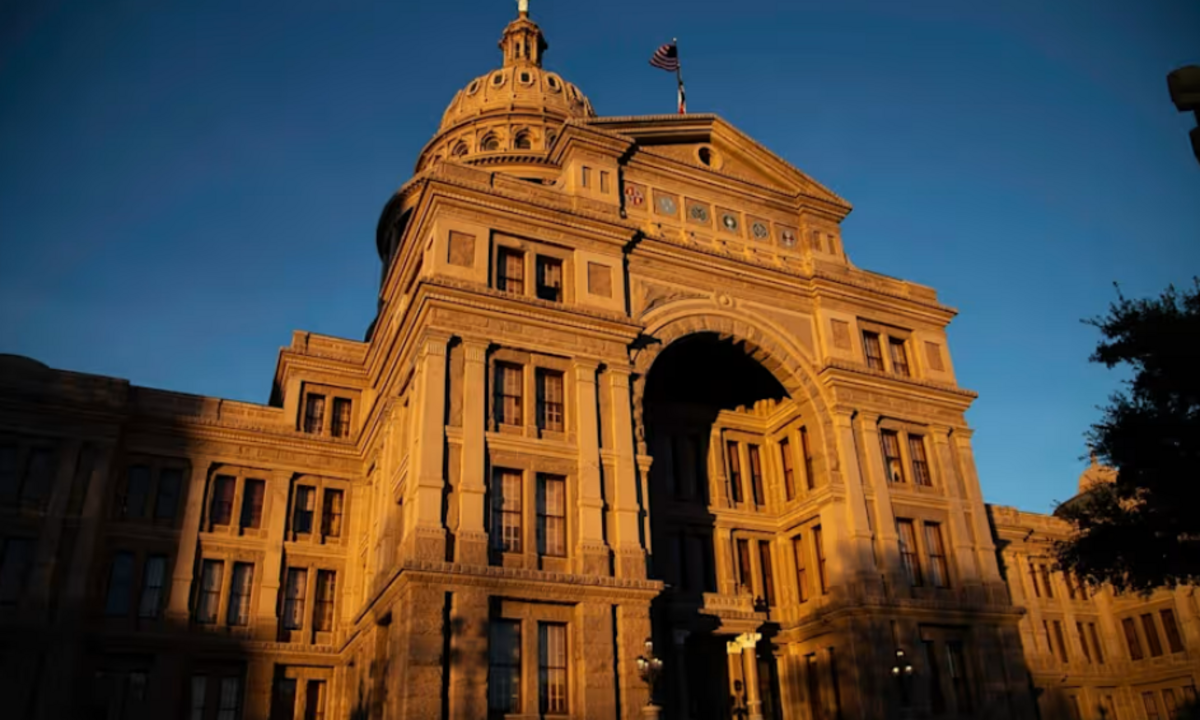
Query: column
{"points": [[595, 636], [468, 648], [964, 549], [266, 623], [985, 550], [631, 558], [592, 556], [189, 535], [471, 541], [885, 518], [749, 642], [859, 564], [38, 594], [427, 534]]}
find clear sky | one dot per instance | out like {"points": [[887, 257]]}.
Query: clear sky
{"points": [[182, 184]]}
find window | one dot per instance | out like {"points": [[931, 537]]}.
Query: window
{"points": [[899, 357], [314, 705], [1046, 584], [16, 556], [491, 143], [341, 417], [1152, 639], [331, 513], [1033, 580], [1096, 646], [552, 667], [815, 708], [745, 579], [508, 394], [1174, 639], [908, 551], [873, 350], [735, 470], [585, 176], [252, 504], [523, 142], [314, 413], [166, 502], [303, 511], [283, 705], [230, 704], [920, 463], [510, 271], [1083, 642], [939, 571], [768, 576], [1169, 703], [819, 544], [39, 476], [10, 477], [295, 591], [506, 511], [460, 149], [239, 594], [120, 585], [211, 577], [1060, 641], [196, 701], [1131, 639], [810, 478], [957, 666], [550, 400], [891, 455], [549, 279], [154, 576], [1150, 702], [756, 479], [1108, 707], [1073, 707], [552, 515], [221, 511], [504, 667], [801, 568], [789, 474], [137, 491], [323, 610]]}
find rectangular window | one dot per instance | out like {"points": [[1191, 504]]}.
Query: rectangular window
{"points": [[801, 567], [789, 474], [819, 545], [314, 413], [283, 705], [1150, 702], [873, 350], [510, 271], [552, 668], [39, 476], [10, 477], [252, 504], [326, 592], [768, 575], [1131, 639], [549, 279], [745, 577], [229, 705], [1096, 646], [120, 585], [504, 667], [1174, 639], [550, 400], [756, 478], [959, 682], [506, 511], [1083, 642], [240, 587], [211, 577], [1073, 707], [341, 417], [920, 463], [1033, 580], [908, 551], [166, 501], [1061, 641], [304, 509], [1169, 704], [508, 394], [891, 455], [937, 699], [735, 470], [603, 181], [552, 515], [899, 357], [295, 593], [586, 176], [221, 511], [199, 690], [137, 491], [154, 577], [1152, 639], [1047, 585], [314, 701], [331, 513], [810, 477], [939, 569], [816, 708], [16, 559]]}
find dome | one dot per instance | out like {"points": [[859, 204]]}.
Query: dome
{"points": [[1095, 474], [513, 114]]}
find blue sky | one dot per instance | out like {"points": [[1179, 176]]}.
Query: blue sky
{"points": [[182, 184]]}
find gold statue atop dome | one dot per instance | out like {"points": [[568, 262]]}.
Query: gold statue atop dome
{"points": [[523, 7]]}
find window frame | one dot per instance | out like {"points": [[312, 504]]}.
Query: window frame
{"points": [[333, 395], [891, 341]]}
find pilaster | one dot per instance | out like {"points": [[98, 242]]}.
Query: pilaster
{"points": [[471, 539], [592, 555], [189, 538], [885, 517], [859, 562], [266, 624], [964, 550], [38, 594], [427, 533], [985, 549], [631, 556]]}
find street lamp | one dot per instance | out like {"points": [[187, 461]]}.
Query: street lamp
{"points": [[903, 672], [649, 668]]}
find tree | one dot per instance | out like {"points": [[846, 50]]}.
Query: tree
{"points": [[1143, 530]]}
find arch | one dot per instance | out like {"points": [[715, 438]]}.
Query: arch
{"points": [[523, 141], [460, 149], [490, 143]]}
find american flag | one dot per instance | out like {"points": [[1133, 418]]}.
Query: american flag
{"points": [[666, 58]]}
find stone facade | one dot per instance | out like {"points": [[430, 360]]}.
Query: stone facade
{"points": [[624, 384]]}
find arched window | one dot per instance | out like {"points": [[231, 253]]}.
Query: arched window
{"points": [[523, 141], [459, 150], [490, 143]]}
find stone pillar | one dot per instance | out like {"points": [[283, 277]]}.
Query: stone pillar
{"points": [[469, 653], [859, 564], [189, 538], [885, 518], [1185, 611], [724, 560], [266, 624], [38, 593], [594, 635], [260, 680], [631, 557], [592, 557], [985, 549], [633, 627], [471, 541], [965, 557], [427, 533], [749, 643], [415, 670]]}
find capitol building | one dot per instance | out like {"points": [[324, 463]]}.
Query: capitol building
{"points": [[625, 393]]}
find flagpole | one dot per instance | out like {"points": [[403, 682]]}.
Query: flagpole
{"points": [[679, 75]]}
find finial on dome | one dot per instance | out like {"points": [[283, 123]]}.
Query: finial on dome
{"points": [[523, 41], [523, 7]]}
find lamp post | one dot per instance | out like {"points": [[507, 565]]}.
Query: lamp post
{"points": [[649, 668], [903, 672]]}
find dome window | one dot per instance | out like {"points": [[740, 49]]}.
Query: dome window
{"points": [[523, 141], [473, 87], [490, 143], [526, 78], [498, 79], [459, 150], [554, 84]]}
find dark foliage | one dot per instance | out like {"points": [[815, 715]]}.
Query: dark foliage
{"points": [[1144, 530]]}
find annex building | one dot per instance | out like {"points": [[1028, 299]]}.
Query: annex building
{"points": [[624, 384]]}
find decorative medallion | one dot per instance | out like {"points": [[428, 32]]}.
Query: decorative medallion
{"points": [[729, 221], [787, 238], [635, 195], [697, 213], [665, 205], [759, 230]]}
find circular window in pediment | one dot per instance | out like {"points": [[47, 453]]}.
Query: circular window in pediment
{"points": [[708, 157]]}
